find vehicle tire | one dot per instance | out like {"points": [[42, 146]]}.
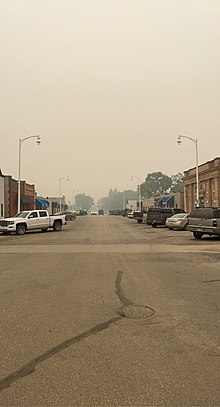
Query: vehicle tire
{"points": [[44, 230], [20, 229], [154, 225], [139, 220], [185, 227], [197, 235], [170, 228], [57, 226]]}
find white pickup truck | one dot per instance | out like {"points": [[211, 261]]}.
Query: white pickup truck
{"points": [[31, 220]]}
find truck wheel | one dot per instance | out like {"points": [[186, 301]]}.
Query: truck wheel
{"points": [[170, 228], [20, 229], [57, 226], [154, 225], [197, 235], [139, 220], [44, 230]]}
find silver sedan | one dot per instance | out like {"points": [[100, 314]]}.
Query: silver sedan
{"points": [[178, 221]]}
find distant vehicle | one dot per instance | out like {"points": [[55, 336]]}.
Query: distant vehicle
{"points": [[69, 215], [32, 220], [204, 221], [178, 221], [94, 213], [158, 216], [138, 216], [100, 212], [81, 212], [117, 212]]}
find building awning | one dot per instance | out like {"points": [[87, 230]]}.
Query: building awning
{"points": [[27, 200], [42, 202]]}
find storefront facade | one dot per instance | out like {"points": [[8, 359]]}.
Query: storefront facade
{"points": [[209, 185]]}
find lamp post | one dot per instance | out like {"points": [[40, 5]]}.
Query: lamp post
{"points": [[139, 189], [60, 179], [21, 141], [195, 142]]}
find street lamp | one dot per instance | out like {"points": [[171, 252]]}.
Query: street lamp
{"points": [[195, 142], [139, 189], [67, 178], [21, 141]]}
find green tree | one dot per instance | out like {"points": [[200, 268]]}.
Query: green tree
{"points": [[156, 183], [83, 201], [177, 182]]}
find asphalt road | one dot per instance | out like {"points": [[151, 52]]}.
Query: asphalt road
{"points": [[108, 312]]}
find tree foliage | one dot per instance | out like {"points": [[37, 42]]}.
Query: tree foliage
{"points": [[177, 182], [83, 201], [157, 183]]}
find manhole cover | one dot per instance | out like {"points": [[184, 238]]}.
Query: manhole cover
{"points": [[136, 311]]}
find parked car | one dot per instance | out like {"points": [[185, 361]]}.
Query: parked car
{"points": [[116, 212], [81, 212], [178, 221], [158, 216], [69, 215], [100, 212], [204, 221], [138, 216], [94, 213]]}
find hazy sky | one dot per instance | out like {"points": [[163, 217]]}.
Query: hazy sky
{"points": [[108, 85]]}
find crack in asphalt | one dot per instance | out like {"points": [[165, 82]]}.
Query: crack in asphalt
{"points": [[119, 292], [30, 367], [211, 281]]}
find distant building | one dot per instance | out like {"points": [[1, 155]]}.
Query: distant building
{"points": [[54, 204], [172, 200], [132, 204], [209, 185]]}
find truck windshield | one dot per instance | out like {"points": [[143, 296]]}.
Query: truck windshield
{"points": [[22, 214]]}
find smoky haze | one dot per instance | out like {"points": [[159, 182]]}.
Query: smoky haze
{"points": [[108, 85]]}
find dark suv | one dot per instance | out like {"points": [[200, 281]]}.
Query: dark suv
{"points": [[158, 216], [204, 221]]}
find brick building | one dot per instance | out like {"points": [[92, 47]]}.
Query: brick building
{"points": [[11, 196], [209, 185]]}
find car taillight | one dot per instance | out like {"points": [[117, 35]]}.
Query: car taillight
{"points": [[214, 223]]}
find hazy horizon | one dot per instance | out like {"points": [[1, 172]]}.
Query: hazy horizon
{"points": [[108, 85]]}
